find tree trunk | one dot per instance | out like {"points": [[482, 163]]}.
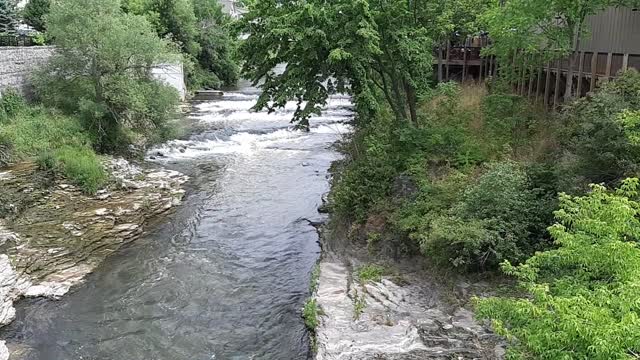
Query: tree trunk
{"points": [[398, 96], [411, 102]]}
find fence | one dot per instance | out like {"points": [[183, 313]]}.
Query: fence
{"points": [[19, 40]]}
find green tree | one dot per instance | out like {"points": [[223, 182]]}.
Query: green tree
{"points": [[582, 297], [363, 47], [216, 41], [34, 13], [201, 30], [101, 71], [176, 19], [369, 48], [8, 18]]}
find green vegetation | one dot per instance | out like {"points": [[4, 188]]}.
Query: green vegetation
{"points": [[370, 272], [34, 14], [359, 305], [58, 141], [201, 30], [315, 278], [468, 175], [100, 72], [8, 17], [78, 164], [310, 313], [582, 295], [380, 51]]}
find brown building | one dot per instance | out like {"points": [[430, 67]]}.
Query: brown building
{"points": [[612, 44]]}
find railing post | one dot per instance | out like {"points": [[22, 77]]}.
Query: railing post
{"points": [[625, 62], [531, 74], [547, 85], [556, 94], [464, 61], [580, 72], [594, 71], [439, 63], [539, 84], [448, 57]]}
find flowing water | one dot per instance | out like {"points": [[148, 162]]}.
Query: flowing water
{"points": [[226, 275]]}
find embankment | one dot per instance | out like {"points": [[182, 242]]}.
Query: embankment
{"points": [[52, 234]]}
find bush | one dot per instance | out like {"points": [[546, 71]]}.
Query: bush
{"points": [[80, 165], [11, 104], [368, 175], [464, 243], [600, 146], [497, 217], [582, 297], [101, 72]]}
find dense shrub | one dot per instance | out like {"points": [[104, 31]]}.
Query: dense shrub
{"points": [[78, 164], [497, 217], [369, 172], [11, 103], [463, 213], [601, 145], [582, 297]]}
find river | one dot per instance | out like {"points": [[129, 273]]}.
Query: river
{"points": [[223, 277]]}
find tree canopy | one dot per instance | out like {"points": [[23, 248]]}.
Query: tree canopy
{"points": [[8, 18], [363, 47], [101, 69], [34, 13], [201, 30]]}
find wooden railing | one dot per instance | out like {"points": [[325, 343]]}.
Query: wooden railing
{"points": [[17, 40], [462, 58], [549, 81]]}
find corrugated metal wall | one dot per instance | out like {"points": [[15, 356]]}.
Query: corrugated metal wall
{"points": [[616, 30]]}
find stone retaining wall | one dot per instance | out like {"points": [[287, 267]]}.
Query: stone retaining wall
{"points": [[18, 63]]}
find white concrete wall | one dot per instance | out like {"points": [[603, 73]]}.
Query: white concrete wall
{"points": [[173, 75]]}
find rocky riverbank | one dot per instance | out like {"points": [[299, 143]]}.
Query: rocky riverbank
{"points": [[52, 235], [409, 312]]}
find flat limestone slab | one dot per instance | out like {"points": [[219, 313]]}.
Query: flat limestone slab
{"points": [[397, 322]]}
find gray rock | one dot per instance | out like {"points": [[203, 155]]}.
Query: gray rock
{"points": [[397, 322], [60, 234]]}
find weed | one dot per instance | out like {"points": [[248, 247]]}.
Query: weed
{"points": [[359, 304], [370, 273], [80, 165], [311, 313], [315, 278]]}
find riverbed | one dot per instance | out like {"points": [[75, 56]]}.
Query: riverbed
{"points": [[225, 276]]}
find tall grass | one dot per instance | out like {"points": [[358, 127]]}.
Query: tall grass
{"points": [[78, 164], [58, 142]]}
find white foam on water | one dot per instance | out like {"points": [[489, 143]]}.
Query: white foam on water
{"points": [[242, 142], [237, 114]]}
